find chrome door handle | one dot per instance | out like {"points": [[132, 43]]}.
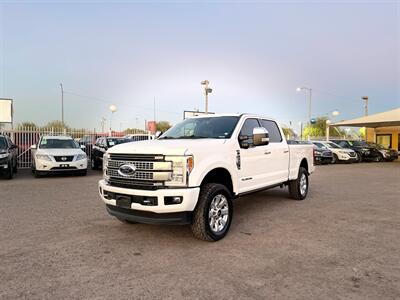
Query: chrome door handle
{"points": [[286, 151], [267, 152]]}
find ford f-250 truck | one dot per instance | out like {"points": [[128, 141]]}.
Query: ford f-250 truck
{"points": [[192, 172]]}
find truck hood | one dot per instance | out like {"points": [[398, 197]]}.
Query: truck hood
{"points": [[168, 147]]}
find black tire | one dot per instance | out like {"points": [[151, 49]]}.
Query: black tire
{"points": [[335, 159], [359, 159], [295, 190], [201, 223], [125, 221], [94, 164], [380, 158], [10, 171]]}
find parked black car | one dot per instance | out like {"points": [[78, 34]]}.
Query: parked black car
{"points": [[322, 155], [100, 147], [363, 150], [385, 154], [8, 157]]}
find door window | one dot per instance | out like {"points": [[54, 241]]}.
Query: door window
{"points": [[247, 131], [273, 130], [384, 139]]}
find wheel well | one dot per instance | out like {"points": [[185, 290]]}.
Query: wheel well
{"points": [[304, 164], [221, 176]]}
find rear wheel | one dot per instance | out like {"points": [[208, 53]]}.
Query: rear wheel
{"points": [[298, 188], [213, 214]]}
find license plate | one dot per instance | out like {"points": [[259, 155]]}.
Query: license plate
{"points": [[64, 166], [123, 201]]}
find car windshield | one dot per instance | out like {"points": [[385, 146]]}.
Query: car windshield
{"points": [[333, 145], [198, 128], [377, 146], [114, 141], [358, 143], [47, 143], [3, 143]]}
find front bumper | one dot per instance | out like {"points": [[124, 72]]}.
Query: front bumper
{"points": [[323, 159], [4, 164], [52, 166], [156, 212]]}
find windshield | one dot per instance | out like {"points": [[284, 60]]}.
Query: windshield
{"points": [[333, 145], [113, 142], [377, 146], [197, 128], [58, 144], [358, 144], [3, 143]]}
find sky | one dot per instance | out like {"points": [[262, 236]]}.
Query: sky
{"points": [[255, 54]]}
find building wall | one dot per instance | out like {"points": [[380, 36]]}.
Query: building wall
{"points": [[393, 131]]}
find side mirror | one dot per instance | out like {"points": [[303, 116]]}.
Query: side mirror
{"points": [[83, 147], [158, 134], [33, 147], [14, 146], [260, 136]]}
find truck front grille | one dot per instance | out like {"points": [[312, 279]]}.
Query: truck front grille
{"points": [[151, 170]]}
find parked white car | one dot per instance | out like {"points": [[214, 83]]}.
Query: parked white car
{"points": [[340, 154], [58, 154], [191, 174]]}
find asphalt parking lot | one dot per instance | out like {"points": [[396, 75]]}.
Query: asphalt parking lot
{"points": [[342, 242]]}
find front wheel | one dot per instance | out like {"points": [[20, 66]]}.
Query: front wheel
{"points": [[298, 188], [358, 157], [213, 214], [94, 163], [335, 158], [10, 171]]}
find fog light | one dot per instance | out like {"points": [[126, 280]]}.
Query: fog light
{"points": [[149, 201], [173, 200]]}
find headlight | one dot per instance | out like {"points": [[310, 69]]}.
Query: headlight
{"points": [[182, 166], [106, 157], [81, 156], [43, 157], [4, 155]]}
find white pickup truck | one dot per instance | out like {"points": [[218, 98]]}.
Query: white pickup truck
{"points": [[191, 174]]}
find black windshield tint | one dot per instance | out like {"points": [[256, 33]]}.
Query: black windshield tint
{"points": [[113, 142], [3, 143], [58, 144], [359, 144], [211, 127]]}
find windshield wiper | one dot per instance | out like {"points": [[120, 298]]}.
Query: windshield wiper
{"points": [[192, 137]]}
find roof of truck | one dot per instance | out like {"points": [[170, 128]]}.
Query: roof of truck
{"points": [[232, 115]]}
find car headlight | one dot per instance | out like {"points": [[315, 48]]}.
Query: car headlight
{"points": [[43, 157], [182, 166], [106, 157], [81, 156], [4, 155]]}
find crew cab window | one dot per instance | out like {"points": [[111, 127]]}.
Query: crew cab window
{"points": [[98, 142], [247, 130], [273, 130]]}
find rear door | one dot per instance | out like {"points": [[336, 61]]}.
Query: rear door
{"points": [[278, 157]]}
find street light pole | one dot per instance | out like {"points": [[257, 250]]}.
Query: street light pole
{"points": [[365, 98], [309, 99], [207, 90], [62, 103]]}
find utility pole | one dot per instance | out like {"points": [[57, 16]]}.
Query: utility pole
{"points": [[62, 103], [365, 98], [207, 90], [103, 122], [303, 88]]}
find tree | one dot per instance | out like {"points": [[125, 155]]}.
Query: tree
{"points": [[26, 125], [56, 125], [318, 129], [163, 126], [288, 132]]}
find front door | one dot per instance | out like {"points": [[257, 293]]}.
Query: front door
{"points": [[254, 160]]}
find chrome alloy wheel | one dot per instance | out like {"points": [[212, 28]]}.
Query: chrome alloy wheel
{"points": [[218, 213], [303, 184]]}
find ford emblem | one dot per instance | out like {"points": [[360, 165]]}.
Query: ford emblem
{"points": [[127, 170]]}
